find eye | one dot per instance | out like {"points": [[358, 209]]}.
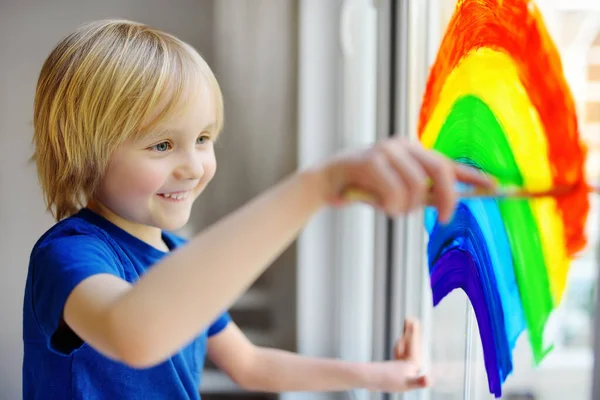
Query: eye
{"points": [[202, 139], [161, 147]]}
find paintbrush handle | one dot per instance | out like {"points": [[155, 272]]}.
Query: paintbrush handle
{"points": [[513, 193], [354, 195]]}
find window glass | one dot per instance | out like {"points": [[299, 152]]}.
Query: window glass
{"points": [[457, 361]]}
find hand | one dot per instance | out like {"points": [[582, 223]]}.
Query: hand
{"points": [[397, 173], [404, 372]]}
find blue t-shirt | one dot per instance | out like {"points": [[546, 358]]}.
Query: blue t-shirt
{"points": [[57, 364]]}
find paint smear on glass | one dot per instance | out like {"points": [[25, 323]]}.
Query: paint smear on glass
{"points": [[488, 104], [460, 271]]}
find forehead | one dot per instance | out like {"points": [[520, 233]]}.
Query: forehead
{"points": [[194, 108]]}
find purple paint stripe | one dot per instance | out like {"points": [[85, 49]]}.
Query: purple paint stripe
{"points": [[464, 233], [457, 269]]}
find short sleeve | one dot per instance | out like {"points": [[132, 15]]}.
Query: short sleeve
{"points": [[219, 324], [58, 267]]}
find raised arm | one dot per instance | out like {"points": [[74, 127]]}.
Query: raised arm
{"points": [[146, 323]]}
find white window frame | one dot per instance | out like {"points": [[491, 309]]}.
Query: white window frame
{"points": [[337, 96], [405, 282]]}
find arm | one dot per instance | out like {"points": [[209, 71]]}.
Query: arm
{"points": [[270, 370], [161, 311], [146, 323]]}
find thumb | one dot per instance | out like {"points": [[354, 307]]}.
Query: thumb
{"points": [[400, 349], [355, 195]]}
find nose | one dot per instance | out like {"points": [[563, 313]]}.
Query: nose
{"points": [[190, 166]]}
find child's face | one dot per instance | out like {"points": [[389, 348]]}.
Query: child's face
{"points": [[154, 180]]}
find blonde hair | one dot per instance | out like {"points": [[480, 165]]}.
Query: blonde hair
{"points": [[106, 82]]}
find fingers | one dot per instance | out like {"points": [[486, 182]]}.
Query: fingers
{"points": [[473, 176], [443, 174], [395, 177], [412, 340], [407, 374], [400, 349], [397, 174], [412, 174], [393, 191], [408, 347], [394, 180], [418, 166], [412, 354]]}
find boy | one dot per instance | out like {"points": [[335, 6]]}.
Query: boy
{"points": [[116, 306]]}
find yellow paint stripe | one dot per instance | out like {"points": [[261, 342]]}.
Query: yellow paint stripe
{"points": [[493, 77]]}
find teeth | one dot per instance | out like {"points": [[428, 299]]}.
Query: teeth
{"points": [[177, 196]]}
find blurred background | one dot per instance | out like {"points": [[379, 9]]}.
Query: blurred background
{"points": [[301, 80]]}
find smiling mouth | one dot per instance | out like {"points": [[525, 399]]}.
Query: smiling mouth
{"points": [[176, 196]]}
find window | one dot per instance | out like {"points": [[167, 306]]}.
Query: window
{"points": [[566, 372]]}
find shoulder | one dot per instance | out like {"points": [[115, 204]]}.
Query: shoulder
{"points": [[73, 238], [67, 254]]}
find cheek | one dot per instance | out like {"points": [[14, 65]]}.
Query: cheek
{"points": [[135, 179], [210, 169], [209, 165]]}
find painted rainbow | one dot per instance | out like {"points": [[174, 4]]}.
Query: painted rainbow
{"points": [[496, 98]]}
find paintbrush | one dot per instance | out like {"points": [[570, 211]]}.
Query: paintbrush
{"points": [[498, 192]]}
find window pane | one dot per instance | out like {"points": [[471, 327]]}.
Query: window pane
{"points": [[449, 317], [448, 347], [566, 371]]}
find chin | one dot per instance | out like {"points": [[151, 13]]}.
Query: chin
{"points": [[173, 223]]}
